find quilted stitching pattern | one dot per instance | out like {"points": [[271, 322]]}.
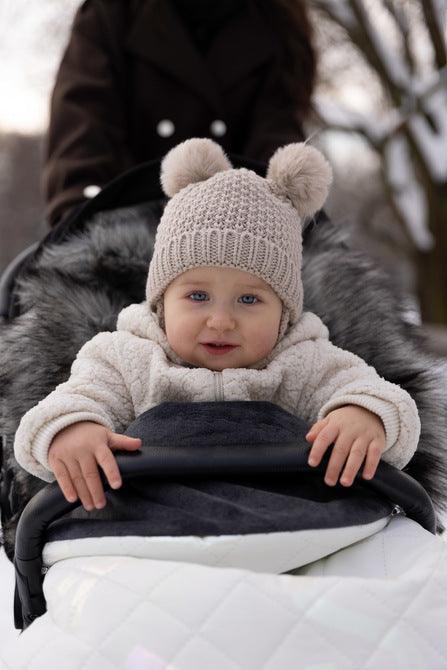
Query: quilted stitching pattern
{"points": [[121, 612]]}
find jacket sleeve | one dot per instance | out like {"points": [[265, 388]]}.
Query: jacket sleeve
{"points": [[339, 378], [95, 391], [87, 136]]}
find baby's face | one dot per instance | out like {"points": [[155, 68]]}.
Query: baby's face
{"points": [[207, 307]]}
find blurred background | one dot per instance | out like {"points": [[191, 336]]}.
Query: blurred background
{"points": [[380, 115]]}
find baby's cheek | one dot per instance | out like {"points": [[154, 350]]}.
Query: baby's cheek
{"points": [[263, 343], [175, 337]]}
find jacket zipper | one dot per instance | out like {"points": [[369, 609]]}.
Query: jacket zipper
{"points": [[218, 386]]}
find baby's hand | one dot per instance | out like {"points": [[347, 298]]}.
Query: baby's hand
{"points": [[74, 455], [357, 433]]}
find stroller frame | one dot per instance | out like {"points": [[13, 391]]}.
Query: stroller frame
{"points": [[127, 190], [175, 462]]}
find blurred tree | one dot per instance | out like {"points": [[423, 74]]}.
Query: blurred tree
{"points": [[21, 203], [32, 38], [410, 133]]}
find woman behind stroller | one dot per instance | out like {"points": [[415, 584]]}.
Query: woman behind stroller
{"points": [[222, 320], [140, 76]]}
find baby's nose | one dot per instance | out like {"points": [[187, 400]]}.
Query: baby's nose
{"points": [[221, 320]]}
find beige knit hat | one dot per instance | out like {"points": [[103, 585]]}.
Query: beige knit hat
{"points": [[229, 217]]}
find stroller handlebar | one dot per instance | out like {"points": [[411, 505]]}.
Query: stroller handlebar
{"points": [[165, 462]]}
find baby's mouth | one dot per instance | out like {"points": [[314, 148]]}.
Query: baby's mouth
{"points": [[218, 348]]}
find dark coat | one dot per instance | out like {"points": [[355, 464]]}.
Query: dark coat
{"points": [[132, 64]]}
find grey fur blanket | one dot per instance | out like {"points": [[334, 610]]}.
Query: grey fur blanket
{"points": [[76, 288]]}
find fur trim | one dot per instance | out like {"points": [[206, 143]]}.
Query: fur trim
{"points": [[370, 321], [194, 160], [69, 293], [76, 288], [302, 174]]}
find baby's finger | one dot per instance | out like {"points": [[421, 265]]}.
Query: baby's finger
{"points": [[337, 460], [79, 483], [354, 462], [118, 441], [372, 459], [90, 472], [315, 429], [64, 480], [325, 437], [108, 463]]}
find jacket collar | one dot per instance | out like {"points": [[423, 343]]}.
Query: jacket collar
{"points": [[158, 35], [141, 321]]}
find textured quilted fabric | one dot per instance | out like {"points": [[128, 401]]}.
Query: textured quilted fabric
{"points": [[110, 613]]}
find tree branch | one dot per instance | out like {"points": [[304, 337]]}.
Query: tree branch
{"points": [[353, 18], [390, 67], [337, 10], [400, 17], [338, 118], [435, 14]]}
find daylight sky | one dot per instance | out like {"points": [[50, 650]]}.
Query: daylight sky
{"points": [[32, 36]]}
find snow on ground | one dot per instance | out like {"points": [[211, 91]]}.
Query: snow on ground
{"points": [[7, 630]]}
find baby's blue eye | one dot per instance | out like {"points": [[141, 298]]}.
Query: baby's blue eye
{"points": [[198, 296], [248, 299]]}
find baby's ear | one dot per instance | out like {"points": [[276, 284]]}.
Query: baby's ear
{"points": [[194, 160], [301, 173]]}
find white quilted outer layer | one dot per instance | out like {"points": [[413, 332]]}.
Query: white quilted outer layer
{"points": [[106, 613]]}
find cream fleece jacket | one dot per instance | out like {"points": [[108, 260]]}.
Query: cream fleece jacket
{"points": [[117, 376]]}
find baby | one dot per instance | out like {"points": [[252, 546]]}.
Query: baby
{"points": [[222, 320]]}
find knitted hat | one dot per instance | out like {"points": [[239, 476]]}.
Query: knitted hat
{"points": [[220, 216]]}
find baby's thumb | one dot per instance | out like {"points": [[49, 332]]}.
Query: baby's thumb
{"points": [[118, 441]]}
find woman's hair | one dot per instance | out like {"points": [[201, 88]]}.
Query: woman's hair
{"points": [[290, 20]]}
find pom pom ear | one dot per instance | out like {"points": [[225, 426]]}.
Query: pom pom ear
{"points": [[301, 173], [194, 160]]}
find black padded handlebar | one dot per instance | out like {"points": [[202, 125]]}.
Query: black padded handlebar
{"points": [[176, 462]]}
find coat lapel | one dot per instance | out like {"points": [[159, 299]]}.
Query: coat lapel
{"points": [[159, 36], [242, 45]]}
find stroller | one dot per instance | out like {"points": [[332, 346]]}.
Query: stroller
{"points": [[223, 549]]}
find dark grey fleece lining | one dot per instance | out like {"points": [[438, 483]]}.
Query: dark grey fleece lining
{"points": [[237, 505]]}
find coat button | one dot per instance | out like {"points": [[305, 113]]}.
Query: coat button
{"points": [[165, 128], [91, 191], [218, 128]]}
